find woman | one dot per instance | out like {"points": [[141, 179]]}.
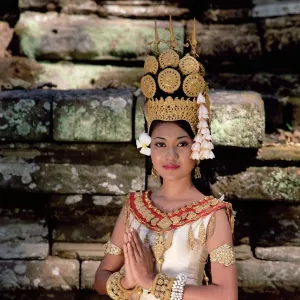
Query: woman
{"points": [[161, 240]]}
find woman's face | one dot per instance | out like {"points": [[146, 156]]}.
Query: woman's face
{"points": [[171, 151]]}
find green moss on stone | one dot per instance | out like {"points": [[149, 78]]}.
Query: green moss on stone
{"points": [[283, 183], [30, 34]]}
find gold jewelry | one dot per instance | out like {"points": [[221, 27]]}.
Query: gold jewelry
{"points": [[197, 172], [223, 255], [211, 225], [154, 173], [151, 65], [110, 248], [193, 84], [205, 277], [169, 80], [188, 64], [169, 58], [113, 287], [161, 246], [173, 109], [148, 86], [162, 286], [191, 237], [202, 235]]}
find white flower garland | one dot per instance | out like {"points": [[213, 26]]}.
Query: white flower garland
{"points": [[202, 146]]}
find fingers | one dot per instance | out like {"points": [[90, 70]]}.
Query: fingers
{"points": [[137, 243], [131, 255]]}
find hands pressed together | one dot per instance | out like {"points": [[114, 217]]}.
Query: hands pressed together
{"points": [[139, 261]]}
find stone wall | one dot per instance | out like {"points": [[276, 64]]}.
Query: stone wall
{"points": [[70, 114]]}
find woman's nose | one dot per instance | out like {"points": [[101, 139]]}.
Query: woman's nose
{"points": [[171, 153]]}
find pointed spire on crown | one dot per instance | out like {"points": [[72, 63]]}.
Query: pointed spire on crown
{"points": [[156, 39], [173, 43], [194, 40]]}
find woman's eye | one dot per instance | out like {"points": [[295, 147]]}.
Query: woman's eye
{"points": [[182, 144], [160, 144]]}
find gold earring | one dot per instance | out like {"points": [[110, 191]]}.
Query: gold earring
{"points": [[153, 173], [197, 172]]}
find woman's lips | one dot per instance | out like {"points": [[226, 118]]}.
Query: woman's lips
{"points": [[171, 167]]}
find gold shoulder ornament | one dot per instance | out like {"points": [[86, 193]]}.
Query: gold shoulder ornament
{"points": [[223, 255]]}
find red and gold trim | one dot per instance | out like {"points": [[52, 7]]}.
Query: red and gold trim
{"points": [[147, 214]]}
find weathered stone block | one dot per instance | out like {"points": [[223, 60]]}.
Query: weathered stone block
{"points": [[231, 15], [268, 276], [261, 183], [24, 118], [33, 251], [148, 11], [238, 119], [15, 230], [77, 37], [279, 152], [282, 84], [275, 8], [125, 9], [224, 44], [88, 229], [53, 273], [283, 253], [88, 271], [76, 169], [26, 4], [87, 204], [243, 252], [80, 251], [6, 35], [83, 76], [282, 35], [18, 73], [94, 216], [93, 116], [276, 225]]}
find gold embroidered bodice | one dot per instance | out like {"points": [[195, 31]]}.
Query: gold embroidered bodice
{"points": [[178, 238]]}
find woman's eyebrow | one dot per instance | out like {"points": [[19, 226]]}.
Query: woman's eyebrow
{"points": [[180, 137]]}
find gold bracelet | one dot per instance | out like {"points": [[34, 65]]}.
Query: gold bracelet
{"points": [[114, 289], [223, 255], [162, 286], [110, 248], [128, 291]]}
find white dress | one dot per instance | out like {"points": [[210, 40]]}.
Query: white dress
{"points": [[188, 251]]}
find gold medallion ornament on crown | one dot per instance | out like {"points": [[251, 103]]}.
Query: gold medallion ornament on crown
{"points": [[175, 89]]}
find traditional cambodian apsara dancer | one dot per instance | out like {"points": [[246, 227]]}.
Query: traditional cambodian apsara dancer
{"points": [[162, 239]]}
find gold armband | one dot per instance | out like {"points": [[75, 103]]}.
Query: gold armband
{"points": [[110, 248], [223, 255]]}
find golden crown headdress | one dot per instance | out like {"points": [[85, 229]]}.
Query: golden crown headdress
{"points": [[175, 89]]}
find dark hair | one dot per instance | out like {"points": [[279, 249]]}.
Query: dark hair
{"points": [[181, 123]]}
